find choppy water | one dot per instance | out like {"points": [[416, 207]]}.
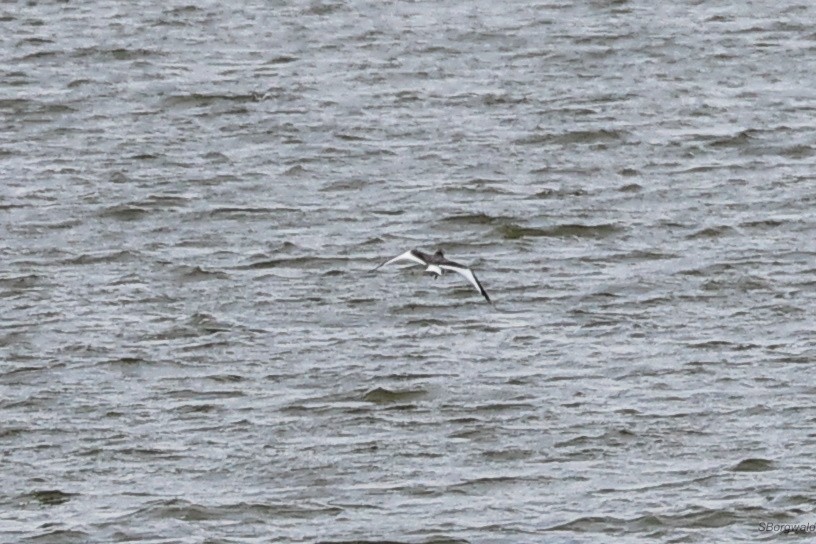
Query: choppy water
{"points": [[191, 197]]}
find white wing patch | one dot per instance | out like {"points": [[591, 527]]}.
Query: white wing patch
{"points": [[468, 274], [407, 256], [434, 269]]}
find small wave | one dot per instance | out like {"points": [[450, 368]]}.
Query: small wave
{"points": [[513, 231], [198, 100], [762, 224], [574, 137], [49, 535], [123, 361], [40, 55], [484, 484], [49, 497], [503, 407], [794, 152], [106, 257], [742, 283], [710, 344], [381, 395], [216, 157], [183, 509], [323, 8], [712, 232], [237, 212], [357, 541], [197, 325], [735, 140], [403, 97], [500, 99], [343, 185], [507, 455], [631, 188], [117, 53], [281, 59], [15, 105], [34, 40], [292, 262], [636, 255], [473, 219], [124, 212], [162, 201], [588, 524], [388, 212], [753, 465], [27, 281], [696, 518], [296, 170], [226, 378], [350, 137], [198, 273], [477, 188], [561, 192], [425, 322], [58, 225], [204, 408]]}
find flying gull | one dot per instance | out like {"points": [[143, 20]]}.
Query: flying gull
{"points": [[437, 265]]}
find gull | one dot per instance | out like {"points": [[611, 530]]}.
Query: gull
{"points": [[437, 265]]}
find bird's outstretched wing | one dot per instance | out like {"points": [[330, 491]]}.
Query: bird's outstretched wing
{"points": [[468, 274], [410, 255]]}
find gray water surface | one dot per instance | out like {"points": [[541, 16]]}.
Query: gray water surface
{"points": [[192, 348]]}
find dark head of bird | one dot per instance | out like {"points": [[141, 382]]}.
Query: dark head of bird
{"points": [[439, 253]]}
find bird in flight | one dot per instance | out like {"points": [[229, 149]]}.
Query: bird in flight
{"points": [[437, 265]]}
